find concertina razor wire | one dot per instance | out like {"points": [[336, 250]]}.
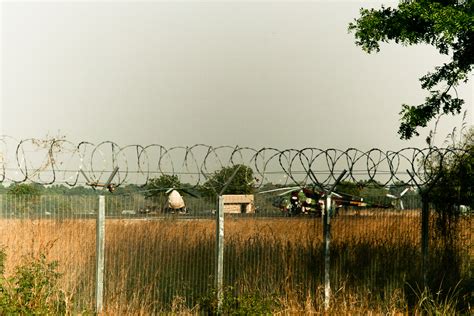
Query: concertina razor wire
{"points": [[59, 161]]}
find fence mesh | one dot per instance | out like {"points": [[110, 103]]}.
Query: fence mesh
{"points": [[60, 227], [158, 261]]}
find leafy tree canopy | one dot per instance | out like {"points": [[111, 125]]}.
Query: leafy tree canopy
{"points": [[242, 183], [80, 190], [57, 189], [448, 25], [364, 188], [157, 186], [25, 189], [128, 189], [349, 187], [455, 185]]}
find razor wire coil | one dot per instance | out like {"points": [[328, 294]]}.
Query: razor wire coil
{"points": [[50, 161]]}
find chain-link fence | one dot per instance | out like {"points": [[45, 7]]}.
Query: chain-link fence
{"points": [[157, 260], [61, 227]]}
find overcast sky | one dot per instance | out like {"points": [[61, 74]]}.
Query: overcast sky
{"points": [[259, 74]]}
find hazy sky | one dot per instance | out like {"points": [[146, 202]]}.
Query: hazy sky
{"points": [[259, 74]]}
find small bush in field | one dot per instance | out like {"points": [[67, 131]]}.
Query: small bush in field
{"points": [[32, 289], [240, 304], [450, 302]]}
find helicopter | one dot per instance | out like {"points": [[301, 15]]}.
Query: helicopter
{"points": [[310, 201], [175, 202]]}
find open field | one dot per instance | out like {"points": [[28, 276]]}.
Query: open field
{"points": [[168, 265]]}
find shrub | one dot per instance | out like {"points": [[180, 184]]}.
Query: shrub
{"points": [[32, 289], [237, 304]]}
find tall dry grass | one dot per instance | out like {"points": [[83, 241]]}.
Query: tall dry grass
{"points": [[157, 266]]}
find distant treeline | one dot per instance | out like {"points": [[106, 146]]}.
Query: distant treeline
{"points": [[61, 189]]}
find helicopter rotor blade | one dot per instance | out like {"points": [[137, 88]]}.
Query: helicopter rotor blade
{"points": [[336, 195], [288, 191], [404, 191], [278, 189], [191, 193]]}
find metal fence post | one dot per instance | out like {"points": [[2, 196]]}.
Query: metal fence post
{"points": [[425, 221], [327, 240], [327, 236], [220, 250], [425, 217], [100, 255]]}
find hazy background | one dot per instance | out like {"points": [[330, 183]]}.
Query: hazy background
{"points": [[282, 74]]}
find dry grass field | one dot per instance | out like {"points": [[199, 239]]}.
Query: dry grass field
{"points": [[157, 266]]}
